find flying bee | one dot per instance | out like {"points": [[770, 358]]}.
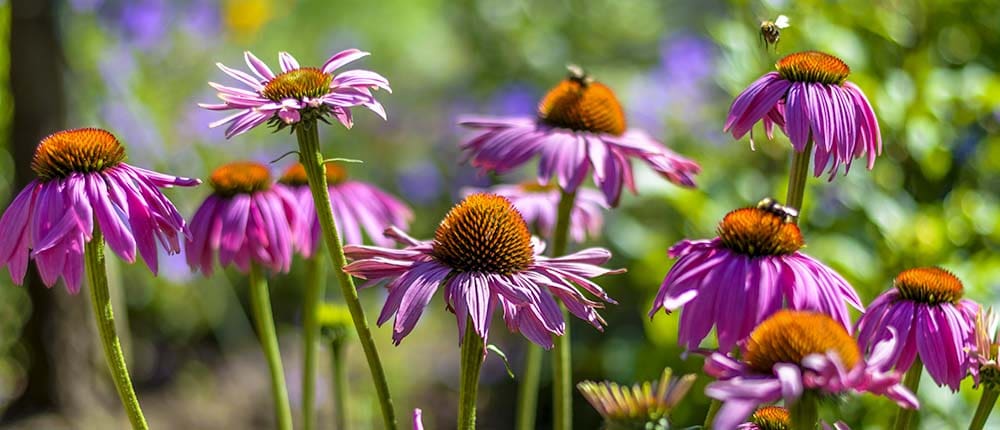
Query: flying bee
{"points": [[770, 31], [786, 213]]}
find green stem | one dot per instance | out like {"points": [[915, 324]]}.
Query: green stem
{"points": [[562, 369], [527, 391], [260, 303], [472, 360], [100, 297], [312, 160], [713, 410], [339, 383], [797, 177], [912, 382], [315, 289], [804, 413], [986, 403]]}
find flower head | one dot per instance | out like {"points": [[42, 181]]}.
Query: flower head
{"points": [[809, 97], [484, 257], [794, 352], [245, 220], [645, 406], [746, 274], [356, 205], [777, 418], [580, 127], [986, 356], [297, 93], [82, 180], [539, 205], [925, 307]]}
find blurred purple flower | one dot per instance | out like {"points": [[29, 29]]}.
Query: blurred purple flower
{"points": [[245, 220], [421, 182], [144, 22]]}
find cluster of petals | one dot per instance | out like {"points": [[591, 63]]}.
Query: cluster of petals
{"points": [[244, 229], [527, 297], [540, 207], [734, 292], [742, 389], [503, 144], [356, 205], [347, 89], [838, 118], [51, 220]]}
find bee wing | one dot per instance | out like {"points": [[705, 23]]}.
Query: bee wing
{"points": [[781, 21]]}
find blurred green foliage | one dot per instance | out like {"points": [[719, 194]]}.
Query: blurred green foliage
{"points": [[929, 68]]}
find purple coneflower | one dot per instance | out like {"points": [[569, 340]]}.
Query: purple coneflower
{"points": [[485, 257], [925, 307], [794, 354], [83, 179], [297, 93], [355, 205], [580, 126], [777, 418], [750, 271], [245, 220], [539, 205], [809, 98]]}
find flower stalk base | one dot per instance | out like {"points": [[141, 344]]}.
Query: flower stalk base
{"points": [[315, 289], [312, 159], [339, 375], [986, 403], [797, 177], [911, 381], [473, 353], [527, 391], [804, 413], [260, 302], [562, 368], [100, 297]]}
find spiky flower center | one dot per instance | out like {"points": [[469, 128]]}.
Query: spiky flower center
{"points": [[813, 67], [484, 233], [241, 177], [789, 336], [759, 232], [298, 84], [83, 150], [296, 175], [579, 104], [771, 418], [930, 285]]}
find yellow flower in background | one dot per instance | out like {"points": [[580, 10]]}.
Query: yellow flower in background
{"points": [[245, 17]]}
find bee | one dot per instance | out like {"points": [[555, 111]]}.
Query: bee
{"points": [[786, 213], [770, 31]]}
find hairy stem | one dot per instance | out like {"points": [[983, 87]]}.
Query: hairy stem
{"points": [[339, 368], [562, 368], [986, 403], [312, 159], [797, 177], [472, 360], [911, 381], [260, 303], [527, 390], [315, 289], [100, 297]]}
